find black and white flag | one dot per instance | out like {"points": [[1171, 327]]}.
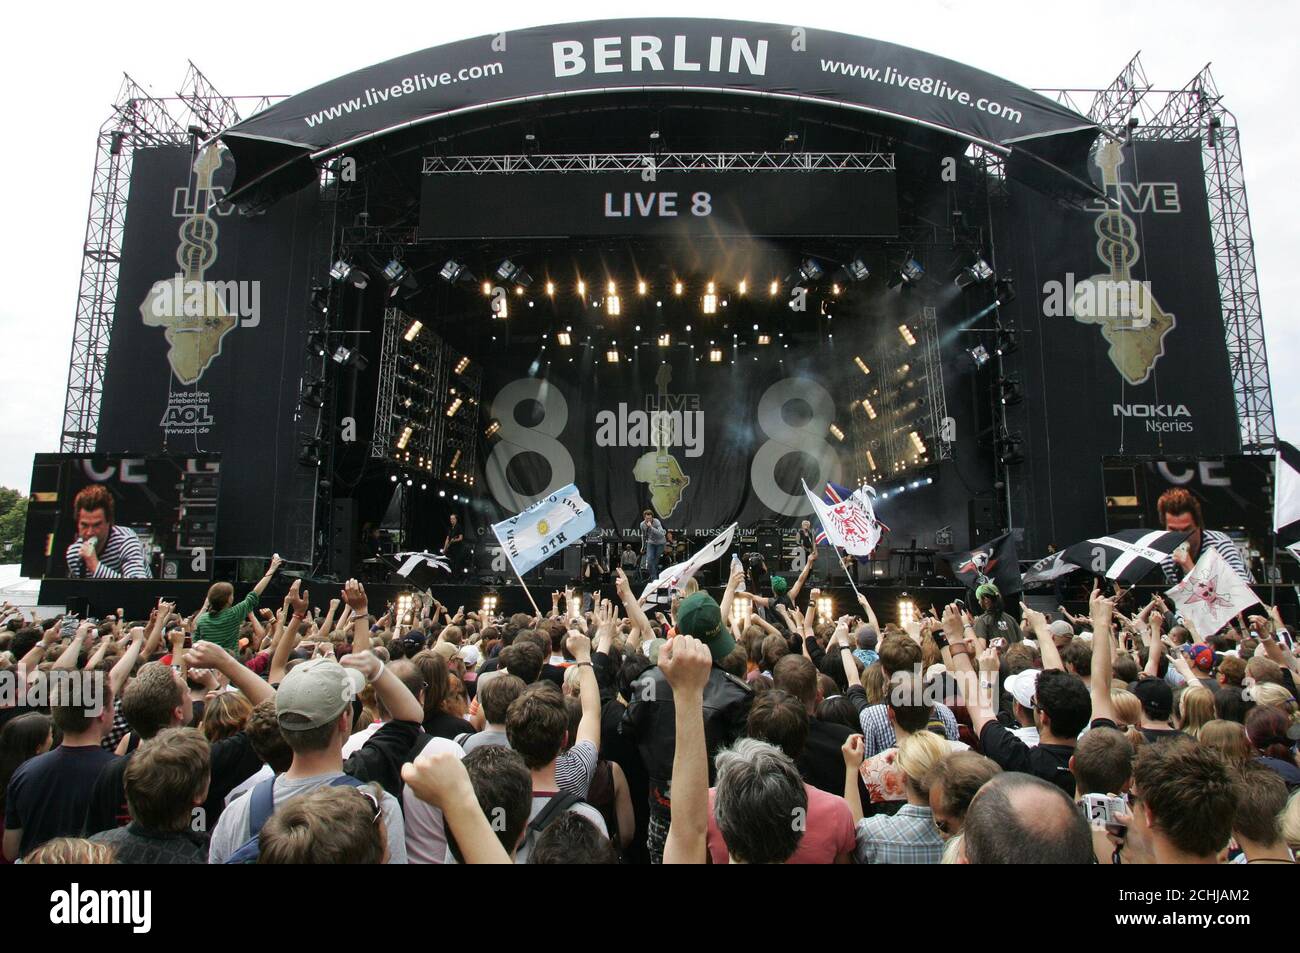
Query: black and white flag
{"points": [[1126, 556], [1286, 495], [1046, 569]]}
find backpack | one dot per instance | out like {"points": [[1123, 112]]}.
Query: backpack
{"points": [[557, 805], [261, 805]]}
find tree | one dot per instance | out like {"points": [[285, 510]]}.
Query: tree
{"points": [[13, 522]]}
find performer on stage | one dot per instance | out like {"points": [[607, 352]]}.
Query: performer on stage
{"points": [[454, 547], [1181, 513], [653, 540], [807, 541], [102, 549]]}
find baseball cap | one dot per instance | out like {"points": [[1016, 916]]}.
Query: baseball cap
{"points": [[1201, 656], [470, 655], [700, 615], [1023, 686], [1061, 628], [987, 589], [1156, 696], [446, 650], [316, 692]]}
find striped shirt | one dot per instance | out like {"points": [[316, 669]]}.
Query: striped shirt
{"points": [[122, 557], [223, 627], [1215, 540]]}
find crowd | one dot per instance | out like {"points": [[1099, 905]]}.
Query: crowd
{"points": [[742, 730]]}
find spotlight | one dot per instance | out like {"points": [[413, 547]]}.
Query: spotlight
{"points": [[918, 443], [870, 411], [1006, 341], [836, 432], [871, 461], [862, 365], [810, 270], [563, 338], [550, 289], [613, 306], [454, 406], [912, 271], [665, 340], [857, 270], [493, 428], [313, 393], [710, 303], [825, 609], [715, 355], [394, 271], [320, 299], [677, 288], [611, 356], [582, 288], [1011, 392], [413, 331], [343, 354], [765, 339], [1009, 453], [773, 288], [977, 274], [742, 287], [340, 270], [906, 610], [509, 271], [487, 288], [641, 287], [907, 335], [462, 365], [979, 354], [452, 271], [405, 438], [309, 452]]}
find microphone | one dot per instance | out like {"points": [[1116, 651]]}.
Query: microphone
{"points": [[93, 542]]}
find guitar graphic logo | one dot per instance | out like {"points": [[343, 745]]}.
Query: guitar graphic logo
{"points": [[1132, 322], [190, 308], [658, 468]]}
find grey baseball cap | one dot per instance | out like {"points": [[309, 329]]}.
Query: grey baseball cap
{"points": [[315, 693]]}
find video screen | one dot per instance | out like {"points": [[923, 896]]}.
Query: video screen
{"points": [[119, 516]]}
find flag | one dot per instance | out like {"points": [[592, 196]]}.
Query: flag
{"points": [[1046, 569], [1212, 594], [545, 528], [1286, 495], [849, 525], [434, 560], [994, 561], [1126, 556], [674, 577], [834, 493]]}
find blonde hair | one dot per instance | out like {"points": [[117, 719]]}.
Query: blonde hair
{"points": [[874, 683], [1291, 821], [1195, 709], [918, 754], [70, 850], [225, 715], [952, 850], [1228, 739], [1273, 695], [1127, 707]]}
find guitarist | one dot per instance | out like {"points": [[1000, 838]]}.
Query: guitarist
{"points": [[454, 547], [653, 540]]}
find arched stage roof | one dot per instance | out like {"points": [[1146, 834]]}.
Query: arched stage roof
{"points": [[276, 150]]}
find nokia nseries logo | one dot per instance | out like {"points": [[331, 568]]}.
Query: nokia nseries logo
{"points": [[1160, 418]]}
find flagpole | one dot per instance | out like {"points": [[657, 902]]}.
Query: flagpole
{"points": [[522, 583], [852, 585]]}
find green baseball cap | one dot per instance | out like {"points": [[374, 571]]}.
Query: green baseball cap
{"points": [[699, 615]]}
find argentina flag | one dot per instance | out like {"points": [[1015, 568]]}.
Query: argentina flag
{"points": [[545, 528]]}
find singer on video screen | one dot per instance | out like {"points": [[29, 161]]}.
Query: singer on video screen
{"points": [[102, 549]]}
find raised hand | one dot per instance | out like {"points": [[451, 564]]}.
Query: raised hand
{"points": [[686, 663], [853, 751], [354, 594]]}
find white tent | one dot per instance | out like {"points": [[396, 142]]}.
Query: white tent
{"points": [[23, 593]]}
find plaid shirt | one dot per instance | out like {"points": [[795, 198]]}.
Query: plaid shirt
{"points": [[878, 732], [908, 837]]}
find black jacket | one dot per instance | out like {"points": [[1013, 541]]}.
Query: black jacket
{"points": [[651, 718]]}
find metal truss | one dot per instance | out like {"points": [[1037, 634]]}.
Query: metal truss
{"points": [[666, 162], [138, 120], [940, 449]]}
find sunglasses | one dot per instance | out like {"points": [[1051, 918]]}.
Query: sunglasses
{"points": [[375, 806]]}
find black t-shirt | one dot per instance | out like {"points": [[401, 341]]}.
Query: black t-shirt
{"points": [[1152, 735], [822, 761], [48, 795], [1049, 762], [233, 762], [442, 725]]}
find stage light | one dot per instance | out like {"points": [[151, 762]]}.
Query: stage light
{"points": [[394, 271], [1011, 393], [613, 305], [493, 428], [1006, 341], [454, 406], [461, 366], [393, 478], [489, 607], [810, 269], [1009, 453], [836, 432], [715, 355], [917, 442], [413, 331], [825, 609], [710, 300], [765, 339], [912, 271], [741, 610], [742, 287], [342, 354], [857, 270], [582, 288], [906, 610], [871, 410], [907, 335], [442, 494], [309, 452], [509, 271], [871, 461], [405, 438], [641, 287], [320, 299], [862, 365], [451, 271], [773, 288], [487, 288], [677, 288], [611, 356], [665, 340], [979, 354], [563, 338], [550, 289], [835, 289], [313, 393], [340, 270]]}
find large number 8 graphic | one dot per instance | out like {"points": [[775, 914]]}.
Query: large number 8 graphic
{"points": [[517, 439], [808, 437]]}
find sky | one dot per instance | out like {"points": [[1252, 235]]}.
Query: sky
{"points": [[61, 67]]}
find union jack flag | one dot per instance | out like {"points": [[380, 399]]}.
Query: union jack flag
{"points": [[849, 522]]}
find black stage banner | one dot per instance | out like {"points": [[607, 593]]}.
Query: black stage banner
{"points": [[206, 353], [1121, 335], [697, 55], [676, 205]]}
